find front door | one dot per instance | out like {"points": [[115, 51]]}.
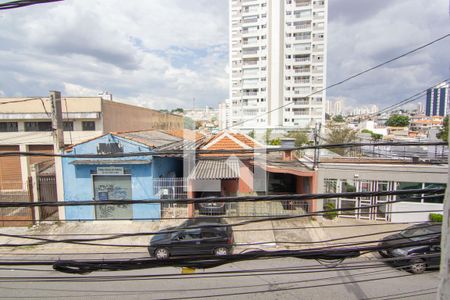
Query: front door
{"points": [[113, 188]]}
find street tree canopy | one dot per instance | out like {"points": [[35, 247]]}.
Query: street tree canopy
{"points": [[398, 121], [301, 138], [340, 135], [443, 134]]}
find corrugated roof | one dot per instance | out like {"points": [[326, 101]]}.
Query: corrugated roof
{"points": [[216, 169], [152, 138]]}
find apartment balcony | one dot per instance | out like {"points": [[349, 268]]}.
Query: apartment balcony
{"points": [[250, 33], [250, 12], [302, 4], [250, 54], [296, 72], [318, 6], [250, 44], [319, 17], [250, 21], [300, 82], [299, 103]]}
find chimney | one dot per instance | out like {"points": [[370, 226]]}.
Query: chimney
{"points": [[288, 155]]}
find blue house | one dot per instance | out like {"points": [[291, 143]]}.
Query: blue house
{"points": [[123, 178]]}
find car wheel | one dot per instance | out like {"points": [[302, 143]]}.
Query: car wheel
{"points": [[162, 253], [417, 266], [221, 251]]}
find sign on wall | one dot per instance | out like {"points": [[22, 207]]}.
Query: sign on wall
{"points": [[110, 171]]}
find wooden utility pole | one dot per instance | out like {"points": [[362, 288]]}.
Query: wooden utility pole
{"points": [[444, 286], [58, 147]]}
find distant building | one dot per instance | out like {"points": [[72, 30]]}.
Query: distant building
{"points": [[338, 107], [437, 100], [225, 114], [27, 126], [207, 116], [278, 58]]}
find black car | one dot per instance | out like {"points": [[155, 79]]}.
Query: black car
{"points": [[213, 207], [188, 239], [426, 235]]}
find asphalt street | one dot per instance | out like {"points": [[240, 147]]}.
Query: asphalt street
{"points": [[286, 278]]}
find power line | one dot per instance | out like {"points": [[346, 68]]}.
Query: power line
{"points": [[349, 78], [229, 199], [23, 3], [408, 100]]}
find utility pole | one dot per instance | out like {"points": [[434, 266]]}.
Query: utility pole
{"points": [[444, 286], [58, 147]]}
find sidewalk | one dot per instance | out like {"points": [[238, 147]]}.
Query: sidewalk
{"points": [[301, 233]]}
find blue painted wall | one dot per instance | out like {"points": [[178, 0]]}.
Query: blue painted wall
{"points": [[78, 179]]}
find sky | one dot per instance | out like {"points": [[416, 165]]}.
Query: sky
{"points": [[165, 53]]}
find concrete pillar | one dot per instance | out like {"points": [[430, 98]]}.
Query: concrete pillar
{"points": [[24, 166]]}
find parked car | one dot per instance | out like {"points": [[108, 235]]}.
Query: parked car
{"points": [[186, 239], [211, 208], [427, 233]]}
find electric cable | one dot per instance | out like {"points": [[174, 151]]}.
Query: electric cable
{"points": [[23, 3], [118, 236], [229, 199], [346, 79]]}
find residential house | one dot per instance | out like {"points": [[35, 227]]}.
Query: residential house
{"points": [[26, 126], [120, 178]]}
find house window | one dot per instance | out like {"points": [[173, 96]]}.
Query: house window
{"points": [[88, 125], [68, 126], [38, 126], [8, 127]]}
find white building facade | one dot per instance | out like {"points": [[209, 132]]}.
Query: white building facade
{"points": [[278, 61], [225, 114]]}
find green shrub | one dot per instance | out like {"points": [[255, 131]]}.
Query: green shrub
{"points": [[329, 212], [436, 218]]}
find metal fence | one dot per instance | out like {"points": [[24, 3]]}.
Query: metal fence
{"points": [[171, 189], [47, 193], [254, 209]]}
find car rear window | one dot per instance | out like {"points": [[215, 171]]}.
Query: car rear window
{"points": [[422, 231]]}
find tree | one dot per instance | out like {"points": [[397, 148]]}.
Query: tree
{"points": [[398, 121], [301, 138], [275, 142], [267, 136], [443, 133], [373, 135], [251, 134], [178, 110], [340, 135], [338, 119]]}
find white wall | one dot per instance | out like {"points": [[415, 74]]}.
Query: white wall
{"points": [[413, 206]]}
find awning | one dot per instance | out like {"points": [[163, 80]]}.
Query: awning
{"points": [[112, 162], [216, 169]]}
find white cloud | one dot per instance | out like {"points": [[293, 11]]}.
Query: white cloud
{"points": [[156, 53], [389, 29]]}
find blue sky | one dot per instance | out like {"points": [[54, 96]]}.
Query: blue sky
{"points": [[161, 54]]}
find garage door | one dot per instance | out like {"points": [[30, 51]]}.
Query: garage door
{"points": [[10, 171], [42, 149]]}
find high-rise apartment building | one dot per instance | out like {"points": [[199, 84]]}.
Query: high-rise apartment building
{"points": [[278, 60], [437, 102]]}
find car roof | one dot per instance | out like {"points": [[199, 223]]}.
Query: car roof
{"points": [[431, 226]]}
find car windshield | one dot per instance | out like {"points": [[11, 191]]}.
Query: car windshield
{"points": [[421, 233]]}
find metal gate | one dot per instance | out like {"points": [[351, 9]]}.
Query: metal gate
{"points": [[47, 193]]}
